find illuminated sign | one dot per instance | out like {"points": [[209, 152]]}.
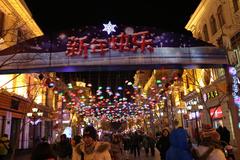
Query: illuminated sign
{"points": [[216, 112], [110, 47], [210, 95], [193, 115], [235, 89], [122, 43]]}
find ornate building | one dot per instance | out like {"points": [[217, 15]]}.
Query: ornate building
{"points": [[21, 92], [218, 22]]}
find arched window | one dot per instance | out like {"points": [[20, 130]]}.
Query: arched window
{"points": [[213, 25], [1, 22], [199, 36], [235, 5], [220, 16], [205, 33]]}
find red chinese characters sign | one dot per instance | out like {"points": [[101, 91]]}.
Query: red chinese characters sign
{"points": [[216, 112], [122, 43]]}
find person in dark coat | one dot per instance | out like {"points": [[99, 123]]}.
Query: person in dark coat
{"points": [[63, 148], [224, 135], [136, 144], [151, 142], [163, 144], [179, 148], [43, 151]]}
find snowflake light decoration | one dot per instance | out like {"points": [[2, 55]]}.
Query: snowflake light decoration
{"points": [[109, 27]]}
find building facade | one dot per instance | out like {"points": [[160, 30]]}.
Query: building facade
{"points": [[19, 93], [218, 22]]}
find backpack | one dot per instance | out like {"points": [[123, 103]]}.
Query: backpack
{"points": [[205, 155]]}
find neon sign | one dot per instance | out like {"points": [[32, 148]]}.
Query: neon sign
{"points": [[235, 89], [216, 112], [122, 42]]}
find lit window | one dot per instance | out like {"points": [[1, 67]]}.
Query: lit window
{"points": [[235, 5], [1, 23], [220, 16], [213, 25], [205, 32]]}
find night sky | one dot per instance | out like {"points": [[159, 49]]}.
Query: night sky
{"points": [[57, 15], [60, 15]]}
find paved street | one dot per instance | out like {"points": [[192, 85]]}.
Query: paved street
{"points": [[27, 156], [143, 156]]}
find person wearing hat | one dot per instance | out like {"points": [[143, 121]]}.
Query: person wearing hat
{"points": [[210, 146], [76, 142], [4, 146], [91, 148]]}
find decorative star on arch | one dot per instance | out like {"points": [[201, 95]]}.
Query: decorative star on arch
{"points": [[109, 27]]}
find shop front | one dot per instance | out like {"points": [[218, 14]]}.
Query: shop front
{"points": [[215, 100], [216, 114], [193, 118]]}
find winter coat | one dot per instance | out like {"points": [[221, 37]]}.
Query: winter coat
{"points": [[75, 154], [101, 151], [4, 146], [63, 149], [163, 145], [179, 149], [116, 150], [216, 154]]}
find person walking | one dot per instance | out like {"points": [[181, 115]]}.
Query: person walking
{"points": [[76, 142], [145, 144], [179, 148], [163, 143], [4, 147], [152, 143], [210, 147], [136, 144], [116, 148], [63, 148], [43, 151], [91, 147]]}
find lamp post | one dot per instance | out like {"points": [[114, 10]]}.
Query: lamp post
{"points": [[181, 111], [196, 110], [35, 115]]}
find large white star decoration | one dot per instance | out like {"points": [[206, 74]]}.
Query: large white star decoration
{"points": [[109, 27]]}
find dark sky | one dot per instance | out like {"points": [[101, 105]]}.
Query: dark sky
{"points": [[60, 15], [57, 15]]}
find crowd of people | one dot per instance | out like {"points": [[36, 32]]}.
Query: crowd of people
{"points": [[169, 145]]}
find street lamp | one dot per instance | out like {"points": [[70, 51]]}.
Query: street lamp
{"points": [[196, 110], [181, 111], [35, 115]]}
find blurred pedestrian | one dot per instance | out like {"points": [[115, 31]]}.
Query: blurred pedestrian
{"points": [[4, 147], [116, 148], [152, 143], [136, 141], [145, 144], [163, 144], [76, 142], [63, 148], [179, 148], [43, 151], [210, 147]]}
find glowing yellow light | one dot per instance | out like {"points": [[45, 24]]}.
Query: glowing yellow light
{"points": [[20, 9]]}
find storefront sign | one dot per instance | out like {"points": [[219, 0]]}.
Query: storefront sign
{"points": [[122, 43], [193, 115], [216, 112], [235, 90], [210, 95], [193, 102]]}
